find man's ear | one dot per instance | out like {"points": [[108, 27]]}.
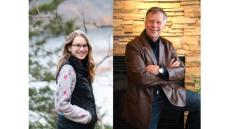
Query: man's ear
{"points": [[165, 22], [145, 23], [164, 26]]}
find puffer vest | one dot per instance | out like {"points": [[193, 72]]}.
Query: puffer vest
{"points": [[82, 96]]}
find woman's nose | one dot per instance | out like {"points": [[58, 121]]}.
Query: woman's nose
{"points": [[82, 48]]}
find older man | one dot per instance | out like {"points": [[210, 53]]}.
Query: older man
{"points": [[152, 68]]}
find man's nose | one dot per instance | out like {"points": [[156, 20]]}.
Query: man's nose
{"points": [[154, 24]]}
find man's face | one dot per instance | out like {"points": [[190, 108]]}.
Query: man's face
{"points": [[154, 24]]}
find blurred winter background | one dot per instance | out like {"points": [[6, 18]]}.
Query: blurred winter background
{"points": [[49, 22]]}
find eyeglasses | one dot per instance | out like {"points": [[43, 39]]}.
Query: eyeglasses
{"points": [[79, 46]]}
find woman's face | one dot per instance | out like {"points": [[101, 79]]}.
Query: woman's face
{"points": [[79, 48]]}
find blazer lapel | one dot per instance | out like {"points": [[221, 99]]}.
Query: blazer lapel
{"points": [[161, 53], [151, 54], [148, 48]]}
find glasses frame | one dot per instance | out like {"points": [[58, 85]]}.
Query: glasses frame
{"points": [[79, 46]]}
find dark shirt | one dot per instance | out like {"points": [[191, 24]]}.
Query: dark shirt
{"points": [[155, 47]]}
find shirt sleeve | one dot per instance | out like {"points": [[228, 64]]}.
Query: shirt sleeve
{"points": [[65, 85], [165, 74]]}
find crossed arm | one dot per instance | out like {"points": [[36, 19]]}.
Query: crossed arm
{"points": [[155, 68], [144, 73]]}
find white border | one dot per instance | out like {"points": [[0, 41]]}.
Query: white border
{"points": [[215, 66], [14, 64]]}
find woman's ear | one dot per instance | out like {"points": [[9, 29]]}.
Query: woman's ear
{"points": [[69, 48]]}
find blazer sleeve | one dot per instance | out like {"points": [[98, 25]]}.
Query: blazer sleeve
{"points": [[65, 85], [176, 73], [135, 65]]}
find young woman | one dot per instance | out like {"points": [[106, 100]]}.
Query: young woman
{"points": [[74, 100]]}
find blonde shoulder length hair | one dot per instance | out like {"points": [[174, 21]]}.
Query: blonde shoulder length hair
{"points": [[66, 53]]}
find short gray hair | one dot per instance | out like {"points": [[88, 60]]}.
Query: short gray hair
{"points": [[156, 10]]}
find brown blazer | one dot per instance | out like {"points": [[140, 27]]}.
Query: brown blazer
{"points": [[138, 98]]}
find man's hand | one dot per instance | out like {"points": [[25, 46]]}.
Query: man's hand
{"points": [[153, 69], [174, 63]]}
